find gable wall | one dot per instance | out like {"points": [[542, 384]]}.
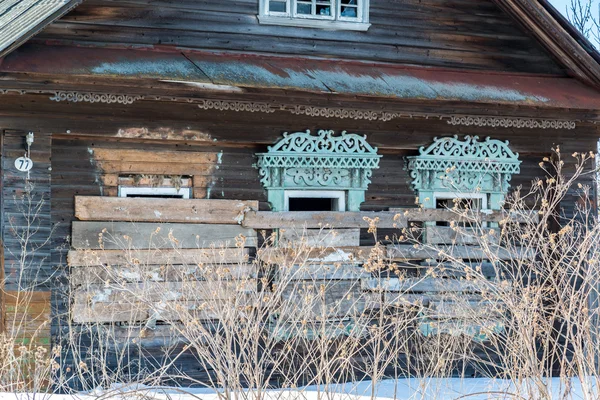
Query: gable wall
{"points": [[465, 34]]}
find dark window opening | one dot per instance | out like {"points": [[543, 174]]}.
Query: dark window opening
{"points": [[156, 196], [312, 204]]}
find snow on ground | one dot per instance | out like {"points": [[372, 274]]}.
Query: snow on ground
{"points": [[401, 389]]}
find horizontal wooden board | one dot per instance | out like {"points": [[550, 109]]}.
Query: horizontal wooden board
{"points": [[96, 208], [319, 300], [319, 237], [77, 258], [80, 276], [320, 271], [460, 235], [156, 156], [443, 215], [319, 219], [395, 218], [426, 285], [154, 168], [418, 252], [159, 301], [312, 255], [132, 235]]}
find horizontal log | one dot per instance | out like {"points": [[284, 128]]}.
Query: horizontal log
{"points": [[80, 276], [96, 208], [442, 252], [130, 235], [77, 258], [319, 237]]}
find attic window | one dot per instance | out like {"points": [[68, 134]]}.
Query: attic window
{"points": [[326, 14]]}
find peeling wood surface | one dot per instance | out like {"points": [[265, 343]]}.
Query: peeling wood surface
{"points": [[162, 210], [142, 236]]}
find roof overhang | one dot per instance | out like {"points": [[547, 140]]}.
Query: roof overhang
{"points": [[199, 72], [21, 19], [558, 36]]}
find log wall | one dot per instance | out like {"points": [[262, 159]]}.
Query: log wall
{"points": [[472, 34]]}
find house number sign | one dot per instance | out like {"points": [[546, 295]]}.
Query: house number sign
{"points": [[23, 164]]}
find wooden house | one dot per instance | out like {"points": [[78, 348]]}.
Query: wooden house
{"points": [[223, 118]]}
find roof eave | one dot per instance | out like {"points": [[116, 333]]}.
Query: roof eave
{"points": [[38, 27]]}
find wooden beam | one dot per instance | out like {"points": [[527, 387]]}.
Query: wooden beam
{"points": [[395, 218], [311, 255], [153, 156], [77, 258], [193, 211], [461, 235], [318, 219], [141, 236]]}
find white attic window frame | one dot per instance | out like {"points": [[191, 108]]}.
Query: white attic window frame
{"points": [[290, 17]]}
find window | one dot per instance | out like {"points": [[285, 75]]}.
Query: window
{"points": [[160, 192], [460, 201], [315, 200], [327, 14]]}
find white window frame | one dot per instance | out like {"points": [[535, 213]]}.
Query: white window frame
{"points": [[124, 191], [339, 195], [334, 22]]}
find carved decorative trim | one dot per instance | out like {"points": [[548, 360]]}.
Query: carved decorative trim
{"points": [[312, 111], [495, 122], [223, 105], [303, 161], [343, 113], [451, 164], [88, 97]]}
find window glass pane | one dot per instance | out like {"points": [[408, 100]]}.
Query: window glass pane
{"points": [[349, 8], [323, 9], [277, 6], [304, 8]]}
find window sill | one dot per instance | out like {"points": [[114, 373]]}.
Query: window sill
{"points": [[314, 23]]}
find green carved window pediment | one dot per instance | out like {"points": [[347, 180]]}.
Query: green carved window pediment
{"points": [[302, 161]]}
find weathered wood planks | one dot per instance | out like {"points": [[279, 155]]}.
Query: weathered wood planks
{"points": [[130, 235], [319, 237], [395, 218], [419, 252], [170, 301], [100, 274], [196, 211], [77, 258]]}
